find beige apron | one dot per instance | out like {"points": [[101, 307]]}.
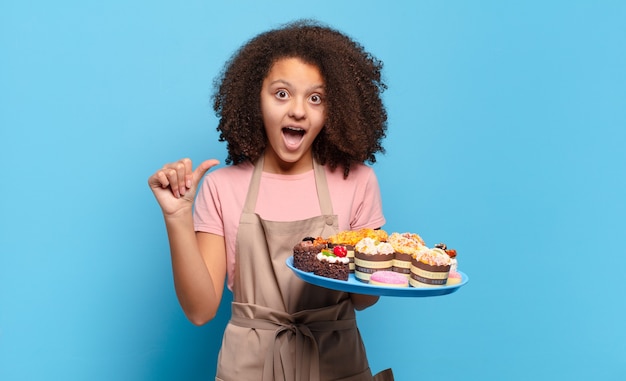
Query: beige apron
{"points": [[281, 327]]}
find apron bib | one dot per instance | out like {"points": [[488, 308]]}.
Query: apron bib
{"points": [[283, 328]]}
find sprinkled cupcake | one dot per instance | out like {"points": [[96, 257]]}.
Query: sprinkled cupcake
{"points": [[405, 246], [429, 267], [371, 256]]}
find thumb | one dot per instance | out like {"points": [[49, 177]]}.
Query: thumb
{"points": [[203, 168]]}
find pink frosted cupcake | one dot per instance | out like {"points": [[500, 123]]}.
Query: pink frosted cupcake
{"points": [[454, 277], [389, 279]]}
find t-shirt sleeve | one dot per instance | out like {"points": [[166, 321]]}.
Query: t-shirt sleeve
{"points": [[207, 216], [369, 211]]}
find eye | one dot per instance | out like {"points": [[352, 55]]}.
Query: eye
{"points": [[281, 94], [316, 99]]}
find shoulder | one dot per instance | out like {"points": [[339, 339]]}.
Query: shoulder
{"points": [[228, 180], [359, 173], [361, 180], [232, 173], [356, 199]]}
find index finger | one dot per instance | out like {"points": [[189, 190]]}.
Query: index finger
{"points": [[188, 171]]}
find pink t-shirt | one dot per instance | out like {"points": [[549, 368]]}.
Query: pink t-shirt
{"points": [[219, 204]]}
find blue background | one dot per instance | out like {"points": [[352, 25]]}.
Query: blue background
{"points": [[506, 140]]}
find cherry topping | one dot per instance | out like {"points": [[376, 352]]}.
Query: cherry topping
{"points": [[340, 251]]}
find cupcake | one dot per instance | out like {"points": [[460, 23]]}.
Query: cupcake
{"points": [[346, 239], [454, 277], [349, 238], [429, 268], [405, 246], [371, 256], [451, 253]]}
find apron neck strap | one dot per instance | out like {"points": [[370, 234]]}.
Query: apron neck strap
{"points": [[323, 195]]}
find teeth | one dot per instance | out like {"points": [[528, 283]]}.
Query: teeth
{"points": [[295, 129]]}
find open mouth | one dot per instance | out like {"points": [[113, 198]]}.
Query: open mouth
{"points": [[293, 136]]}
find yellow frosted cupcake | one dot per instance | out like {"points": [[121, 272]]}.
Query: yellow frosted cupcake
{"points": [[430, 268]]}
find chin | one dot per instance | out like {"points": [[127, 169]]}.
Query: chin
{"points": [[290, 157], [288, 161]]}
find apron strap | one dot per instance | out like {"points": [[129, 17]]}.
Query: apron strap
{"points": [[253, 189], [307, 351], [323, 195]]}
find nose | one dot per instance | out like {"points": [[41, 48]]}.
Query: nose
{"points": [[298, 109]]}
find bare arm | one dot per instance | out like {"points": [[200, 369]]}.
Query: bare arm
{"points": [[199, 269], [361, 302], [198, 259]]}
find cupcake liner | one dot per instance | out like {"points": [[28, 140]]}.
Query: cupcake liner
{"points": [[367, 264], [402, 263], [425, 275]]}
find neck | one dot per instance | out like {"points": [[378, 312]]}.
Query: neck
{"points": [[273, 164]]}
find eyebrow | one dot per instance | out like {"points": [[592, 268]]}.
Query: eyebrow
{"points": [[282, 81]]}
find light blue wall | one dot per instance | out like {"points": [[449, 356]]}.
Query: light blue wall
{"points": [[506, 140]]}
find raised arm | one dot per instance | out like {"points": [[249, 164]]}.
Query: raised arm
{"points": [[198, 259]]}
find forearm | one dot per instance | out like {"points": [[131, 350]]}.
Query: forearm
{"points": [[198, 293], [361, 301]]}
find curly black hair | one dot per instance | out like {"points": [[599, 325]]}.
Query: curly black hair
{"points": [[356, 119]]}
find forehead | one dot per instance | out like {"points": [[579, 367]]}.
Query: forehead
{"points": [[295, 69]]}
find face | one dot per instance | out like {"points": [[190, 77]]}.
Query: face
{"points": [[293, 108]]}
